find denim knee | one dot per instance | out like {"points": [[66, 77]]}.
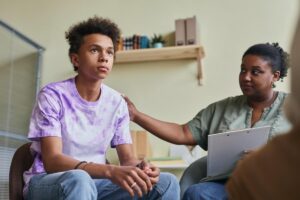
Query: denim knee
{"points": [[168, 186], [192, 193], [79, 182], [206, 190]]}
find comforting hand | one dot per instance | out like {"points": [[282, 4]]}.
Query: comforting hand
{"points": [[131, 108], [132, 179]]}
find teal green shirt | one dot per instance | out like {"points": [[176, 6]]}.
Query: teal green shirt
{"points": [[234, 113]]}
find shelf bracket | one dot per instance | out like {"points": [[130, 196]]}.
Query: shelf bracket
{"points": [[199, 67]]}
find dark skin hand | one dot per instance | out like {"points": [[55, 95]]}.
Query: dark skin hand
{"points": [[152, 171]]}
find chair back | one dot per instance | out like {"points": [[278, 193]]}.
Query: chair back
{"points": [[193, 174], [21, 161]]}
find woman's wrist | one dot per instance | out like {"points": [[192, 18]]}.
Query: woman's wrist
{"points": [[137, 116]]}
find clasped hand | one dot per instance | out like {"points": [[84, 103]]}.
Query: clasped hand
{"points": [[136, 180]]}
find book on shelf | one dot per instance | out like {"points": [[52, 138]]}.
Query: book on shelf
{"points": [[133, 42], [180, 32], [191, 31]]}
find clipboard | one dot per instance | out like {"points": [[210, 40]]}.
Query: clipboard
{"points": [[225, 149]]}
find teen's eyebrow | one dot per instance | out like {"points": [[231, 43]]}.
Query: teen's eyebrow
{"points": [[100, 46]]}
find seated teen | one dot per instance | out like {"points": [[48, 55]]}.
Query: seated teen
{"points": [[75, 120]]}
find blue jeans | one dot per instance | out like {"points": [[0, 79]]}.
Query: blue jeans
{"points": [[205, 191], [77, 184]]}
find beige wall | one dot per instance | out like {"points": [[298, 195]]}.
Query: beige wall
{"points": [[167, 90]]}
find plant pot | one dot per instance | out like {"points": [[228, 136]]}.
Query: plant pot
{"points": [[158, 45]]}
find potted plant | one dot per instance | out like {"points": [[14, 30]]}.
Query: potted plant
{"points": [[157, 41]]}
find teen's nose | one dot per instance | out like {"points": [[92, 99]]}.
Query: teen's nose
{"points": [[102, 59]]}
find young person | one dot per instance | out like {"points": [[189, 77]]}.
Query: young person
{"points": [[75, 120], [262, 65]]}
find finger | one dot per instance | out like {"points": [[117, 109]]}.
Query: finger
{"points": [[135, 187], [154, 180], [141, 165], [141, 179], [145, 181], [154, 171], [153, 167], [127, 187], [152, 174], [145, 166]]}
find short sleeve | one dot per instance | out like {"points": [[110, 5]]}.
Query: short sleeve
{"points": [[45, 118], [122, 132], [200, 125]]}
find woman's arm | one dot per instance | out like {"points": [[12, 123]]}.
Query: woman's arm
{"points": [[171, 132]]}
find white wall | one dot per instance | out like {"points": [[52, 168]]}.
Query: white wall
{"points": [[166, 90]]}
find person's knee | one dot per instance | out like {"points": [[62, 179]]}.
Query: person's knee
{"points": [[206, 190], [169, 181], [192, 192], [79, 180], [76, 176]]}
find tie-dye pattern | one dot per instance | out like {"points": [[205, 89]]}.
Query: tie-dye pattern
{"points": [[86, 128]]}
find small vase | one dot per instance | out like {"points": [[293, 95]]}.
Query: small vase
{"points": [[158, 45]]}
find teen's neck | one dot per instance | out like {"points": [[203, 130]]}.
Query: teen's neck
{"points": [[88, 90]]}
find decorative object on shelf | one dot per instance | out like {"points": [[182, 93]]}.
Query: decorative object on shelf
{"points": [[186, 31], [157, 41]]}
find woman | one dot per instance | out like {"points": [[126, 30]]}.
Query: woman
{"points": [[262, 65], [281, 179]]}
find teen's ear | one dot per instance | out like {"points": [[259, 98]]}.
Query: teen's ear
{"points": [[74, 59], [276, 76]]}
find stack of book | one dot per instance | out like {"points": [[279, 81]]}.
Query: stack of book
{"points": [[133, 42]]}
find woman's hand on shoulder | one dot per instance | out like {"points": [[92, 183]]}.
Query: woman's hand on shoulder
{"points": [[131, 108]]}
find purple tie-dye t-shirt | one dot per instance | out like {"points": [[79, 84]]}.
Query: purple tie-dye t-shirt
{"points": [[85, 128]]}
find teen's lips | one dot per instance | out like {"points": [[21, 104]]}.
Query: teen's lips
{"points": [[103, 68]]}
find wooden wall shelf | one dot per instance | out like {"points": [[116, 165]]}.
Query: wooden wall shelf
{"points": [[167, 53]]}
